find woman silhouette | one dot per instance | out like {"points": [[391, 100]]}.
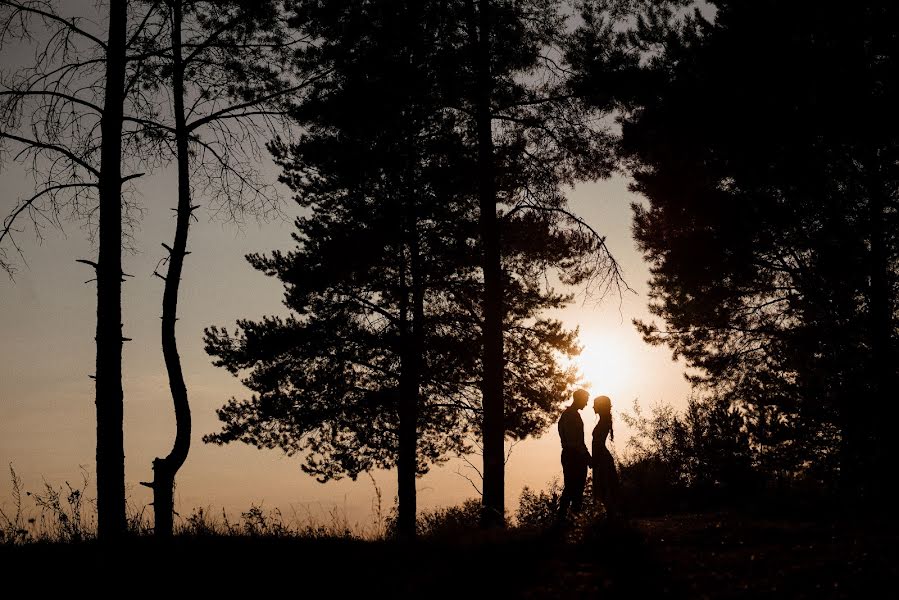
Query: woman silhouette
{"points": [[605, 477]]}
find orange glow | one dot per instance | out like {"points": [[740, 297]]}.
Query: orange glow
{"points": [[608, 366]]}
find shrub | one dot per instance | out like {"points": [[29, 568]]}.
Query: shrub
{"points": [[537, 510], [696, 459], [442, 522]]}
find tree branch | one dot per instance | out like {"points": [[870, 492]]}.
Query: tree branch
{"points": [[54, 17], [69, 97], [67, 153], [255, 102]]}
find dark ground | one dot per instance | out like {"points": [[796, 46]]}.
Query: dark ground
{"points": [[714, 555]]}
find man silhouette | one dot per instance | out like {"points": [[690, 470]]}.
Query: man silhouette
{"points": [[575, 456]]}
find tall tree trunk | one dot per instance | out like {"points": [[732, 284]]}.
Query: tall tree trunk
{"points": [[165, 469], [493, 429], [109, 397], [410, 386]]}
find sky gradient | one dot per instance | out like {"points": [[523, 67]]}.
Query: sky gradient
{"points": [[47, 418], [46, 398]]}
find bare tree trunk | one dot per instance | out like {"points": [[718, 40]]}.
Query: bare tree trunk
{"points": [[492, 385], [109, 396], [165, 469]]}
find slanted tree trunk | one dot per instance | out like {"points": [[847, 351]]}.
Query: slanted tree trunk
{"points": [[111, 521], [493, 430], [165, 469]]}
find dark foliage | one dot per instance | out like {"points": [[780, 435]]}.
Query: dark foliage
{"points": [[770, 225], [446, 523], [697, 459], [539, 509]]}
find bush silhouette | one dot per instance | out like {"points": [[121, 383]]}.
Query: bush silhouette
{"points": [[697, 459]]}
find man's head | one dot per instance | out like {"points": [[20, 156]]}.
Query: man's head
{"points": [[580, 399]]}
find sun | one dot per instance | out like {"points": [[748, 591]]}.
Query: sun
{"points": [[607, 365]]}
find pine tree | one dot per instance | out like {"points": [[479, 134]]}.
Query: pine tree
{"points": [[770, 223], [379, 364]]}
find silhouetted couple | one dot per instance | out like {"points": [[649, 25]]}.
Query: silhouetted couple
{"points": [[576, 459]]}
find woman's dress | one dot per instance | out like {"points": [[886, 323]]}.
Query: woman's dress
{"points": [[605, 477]]}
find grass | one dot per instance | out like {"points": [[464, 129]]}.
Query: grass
{"points": [[723, 554]]}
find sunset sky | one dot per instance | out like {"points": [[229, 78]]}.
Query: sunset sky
{"points": [[46, 397], [47, 418]]}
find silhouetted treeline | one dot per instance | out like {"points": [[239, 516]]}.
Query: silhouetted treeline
{"points": [[435, 144], [768, 153]]}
